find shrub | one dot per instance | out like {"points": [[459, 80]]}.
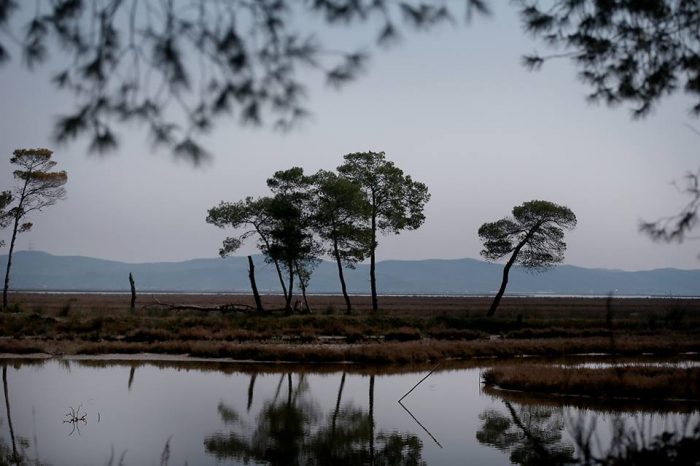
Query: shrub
{"points": [[455, 334], [403, 334]]}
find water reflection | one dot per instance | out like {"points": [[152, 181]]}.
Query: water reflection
{"points": [[293, 430], [74, 418], [223, 413], [531, 434], [15, 453], [536, 435]]}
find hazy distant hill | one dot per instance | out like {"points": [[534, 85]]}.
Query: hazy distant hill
{"points": [[34, 270]]}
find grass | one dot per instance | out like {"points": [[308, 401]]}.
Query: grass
{"points": [[378, 353], [631, 381], [406, 329]]}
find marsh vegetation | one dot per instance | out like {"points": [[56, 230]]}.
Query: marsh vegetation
{"points": [[406, 329]]}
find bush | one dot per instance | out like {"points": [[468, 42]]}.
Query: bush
{"points": [[402, 334], [454, 334], [148, 335]]}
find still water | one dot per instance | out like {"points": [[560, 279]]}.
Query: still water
{"points": [[98, 412]]}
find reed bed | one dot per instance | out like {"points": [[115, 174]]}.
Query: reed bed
{"points": [[376, 353], [405, 329], [625, 381]]}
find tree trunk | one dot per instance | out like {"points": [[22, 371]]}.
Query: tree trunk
{"points": [[287, 298], [277, 264], [302, 285], [506, 269], [9, 262], [341, 276], [371, 420], [288, 302], [133, 291], [372, 263], [253, 285], [9, 416], [502, 289]]}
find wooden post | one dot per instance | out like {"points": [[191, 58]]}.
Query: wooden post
{"points": [[133, 291]]}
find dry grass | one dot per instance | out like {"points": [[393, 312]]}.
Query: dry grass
{"points": [[383, 352], [640, 382], [405, 330]]}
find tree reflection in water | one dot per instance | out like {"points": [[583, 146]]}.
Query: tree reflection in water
{"points": [[532, 434], [16, 453], [295, 432]]}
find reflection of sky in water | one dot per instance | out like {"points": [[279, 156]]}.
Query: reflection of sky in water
{"points": [[183, 406]]}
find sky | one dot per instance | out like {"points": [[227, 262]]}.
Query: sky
{"points": [[453, 108]]}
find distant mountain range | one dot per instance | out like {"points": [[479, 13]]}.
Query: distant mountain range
{"points": [[33, 270]]}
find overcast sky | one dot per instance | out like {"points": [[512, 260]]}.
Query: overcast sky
{"points": [[452, 108]]}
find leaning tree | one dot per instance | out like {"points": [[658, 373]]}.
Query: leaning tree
{"points": [[533, 236], [395, 201], [37, 187]]}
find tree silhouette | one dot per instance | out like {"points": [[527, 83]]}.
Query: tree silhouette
{"points": [[395, 201], [5, 216], [534, 238], [177, 66], [340, 209], [283, 225], [627, 51], [256, 216], [676, 227], [292, 240], [38, 187]]}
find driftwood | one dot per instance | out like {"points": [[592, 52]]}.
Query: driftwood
{"points": [[193, 307]]}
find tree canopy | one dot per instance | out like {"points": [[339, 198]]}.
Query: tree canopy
{"points": [[177, 66], [677, 226], [633, 52], [535, 231], [5, 216]]}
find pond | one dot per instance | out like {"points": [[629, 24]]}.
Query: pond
{"points": [[96, 411]]}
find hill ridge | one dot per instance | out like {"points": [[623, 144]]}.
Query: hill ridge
{"points": [[38, 270]]}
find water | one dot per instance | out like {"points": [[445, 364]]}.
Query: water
{"points": [[210, 413]]}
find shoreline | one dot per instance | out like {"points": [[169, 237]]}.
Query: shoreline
{"points": [[422, 351]]}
